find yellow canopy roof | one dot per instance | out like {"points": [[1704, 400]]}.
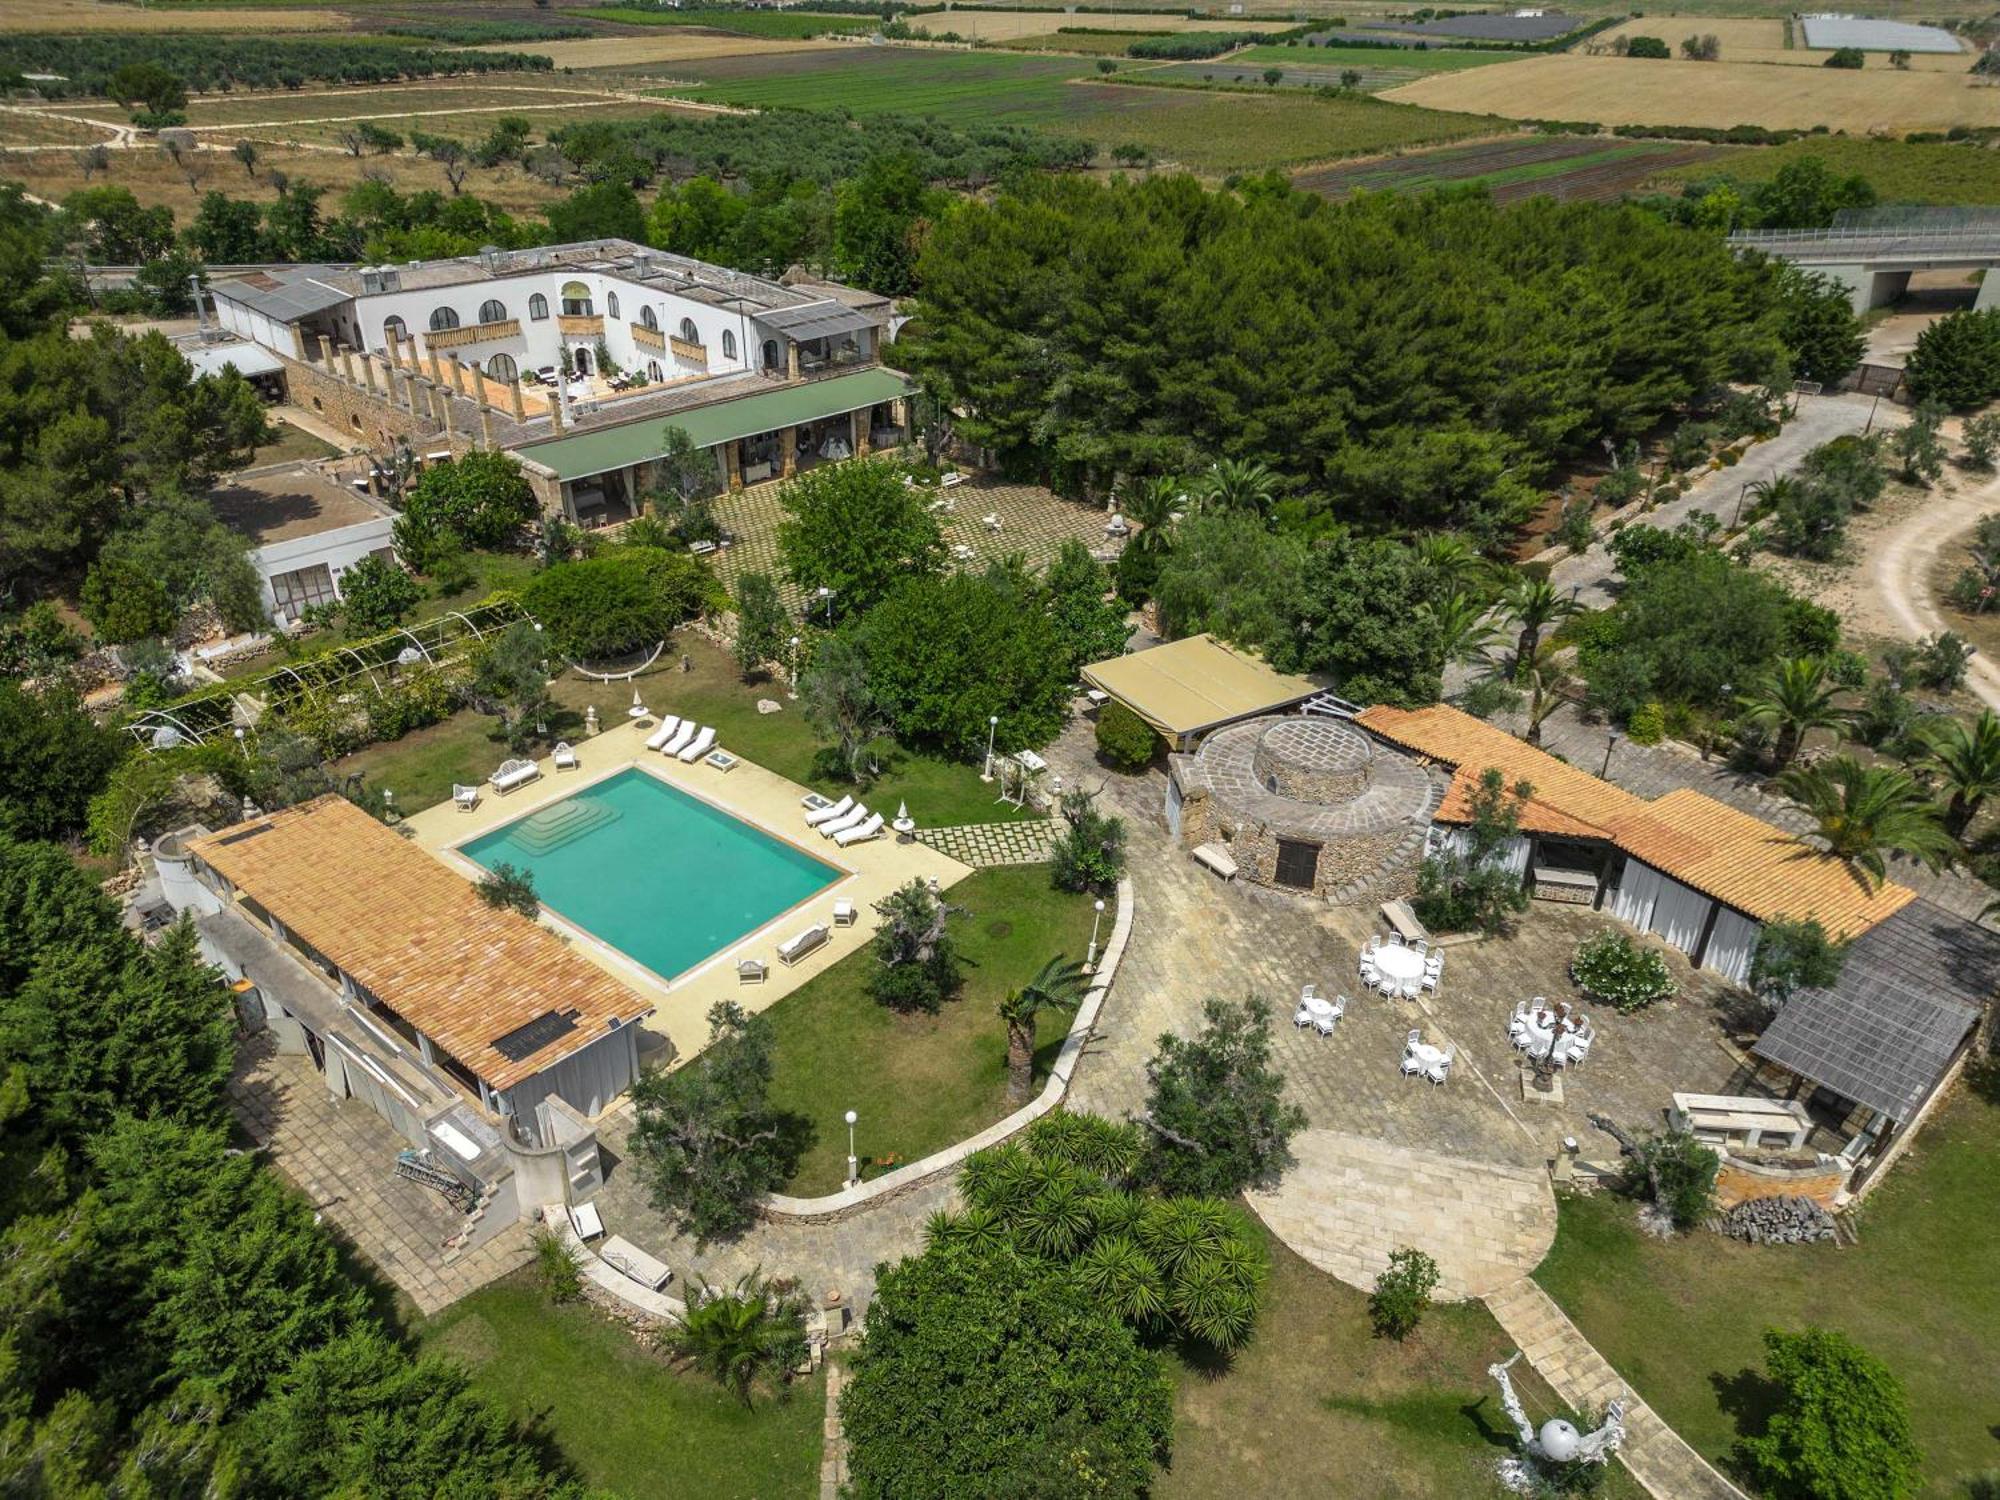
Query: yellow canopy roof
{"points": [[1194, 684]]}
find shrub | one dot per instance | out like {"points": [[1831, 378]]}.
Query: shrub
{"points": [[1402, 1293], [1793, 956], [1216, 1108], [481, 499], [1846, 57], [1842, 1427], [556, 1268], [1469, 886], [377, 594], [1614, 969], [622, 600], [1940, 662], [916, 962], [1089, 853], [1125, 741], [1647, 726], [1681, 1174], [1647, 46], [1956, 362]]}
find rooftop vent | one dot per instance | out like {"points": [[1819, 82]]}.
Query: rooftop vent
{"points": [[392, 279], [489, 256], [371, 279]]}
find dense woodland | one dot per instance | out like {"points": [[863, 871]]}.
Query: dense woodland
{"points": [[87, 63]]}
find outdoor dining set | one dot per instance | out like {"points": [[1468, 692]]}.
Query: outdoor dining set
{"points": [[1555, 1036], [1399, 969]]}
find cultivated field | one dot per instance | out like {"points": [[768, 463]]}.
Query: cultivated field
{"points": [[21, 129], [1322, 67], [466, 125], [367, 102], [1902, 171], [791, 25], [1761, 41], [670, 45], [1568, 167], [992, 26], [96, 15], [1635, 91]]}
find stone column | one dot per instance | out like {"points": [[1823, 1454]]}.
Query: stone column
{"points": [[861, 429], [458, 374], [395, 355], [437, 368], [299, 343], [325, 345], [792, 358], [555, 417], [722, 453], [444, 414], [485, 425], [411, 380], [347, 365], [732, 463], [788, 452], [368, 370], [514, 395]]}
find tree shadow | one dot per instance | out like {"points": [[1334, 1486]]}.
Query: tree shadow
{"points": [[1750, 1398], [1982, 1076]]}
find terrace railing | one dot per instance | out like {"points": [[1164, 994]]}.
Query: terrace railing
{"points": [[473, 333]]}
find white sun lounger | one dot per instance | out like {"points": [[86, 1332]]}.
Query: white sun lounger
{"points": [[679, 742], [699, 747], [860, 831], [831, 811], [669, 726], [853, 818]]}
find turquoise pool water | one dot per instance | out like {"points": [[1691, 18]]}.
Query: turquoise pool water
{"points": [[661, 876]]}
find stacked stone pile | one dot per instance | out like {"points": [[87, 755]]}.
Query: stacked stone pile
{"points": [[1784, 1220]]}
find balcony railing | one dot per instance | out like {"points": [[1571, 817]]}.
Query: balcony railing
{"points": [[472, 333], [590, 325], [648, 338], [694, 354]]}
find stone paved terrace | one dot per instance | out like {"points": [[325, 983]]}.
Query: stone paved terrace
{"points": [[1034, 522]]}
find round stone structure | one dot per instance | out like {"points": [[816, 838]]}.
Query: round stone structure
{"points": [[1305, 803]]}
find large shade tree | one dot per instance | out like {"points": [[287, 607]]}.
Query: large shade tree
{"points": [[857, 530]]}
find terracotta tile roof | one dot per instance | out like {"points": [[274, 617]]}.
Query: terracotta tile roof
{"points": [[1731, 856], [418, 937]]}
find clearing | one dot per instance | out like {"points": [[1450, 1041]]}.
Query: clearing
{"points": [[1639, 91], [1682, 1320], [1902, 171], [631, 1423], [1578, 167], [96, 15]]}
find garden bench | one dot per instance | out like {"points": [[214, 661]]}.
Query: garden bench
{"points": [[513, 773], [814, 937], [628, 1259], [1399, 916], [1720, 1119]]}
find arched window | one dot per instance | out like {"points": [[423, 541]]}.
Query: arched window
{"points": [[443, 319], [502, 367], [729, 343], [689, 331], [648, 319], [770, 354], [492, 310], [395, 331], [538, 307], [653, 371], [580, 359], [576, 300], [611, 304]]}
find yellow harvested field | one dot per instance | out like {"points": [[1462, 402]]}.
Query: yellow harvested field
{"points": [[94, 15], [1006, 26], [1761, 41], [370, 101], [1637, 91], [21, 128], [676, 44]]}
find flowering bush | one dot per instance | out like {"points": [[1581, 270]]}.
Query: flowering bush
{"points": [[1613, 969]]}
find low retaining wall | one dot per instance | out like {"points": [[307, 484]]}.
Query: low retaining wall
{"points": [[602, 1280], [1740, 1180], [855, 1200]]}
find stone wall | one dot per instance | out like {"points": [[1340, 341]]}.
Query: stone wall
{"points": [[1255, 848], [342, 404], [1740, 1180]]}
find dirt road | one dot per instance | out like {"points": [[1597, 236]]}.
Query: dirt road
{"points": [[1899, 573]]}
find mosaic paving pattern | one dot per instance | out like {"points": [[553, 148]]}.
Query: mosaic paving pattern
{"points": [[982, 844], [1033, 522]]}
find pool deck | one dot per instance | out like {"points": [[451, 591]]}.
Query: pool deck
{"points": [[761, 798]]}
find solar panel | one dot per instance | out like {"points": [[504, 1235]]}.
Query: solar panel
{"points": [[523, 1042]]}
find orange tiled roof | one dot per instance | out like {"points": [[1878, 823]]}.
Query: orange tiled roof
{"points": [[1729, 855], [417, 936]]}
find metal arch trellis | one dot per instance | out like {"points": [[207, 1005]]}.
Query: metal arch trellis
{"points": [[179, 720], [626, 673]]}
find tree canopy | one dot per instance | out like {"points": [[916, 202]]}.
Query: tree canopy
{"points": [[857, 529], [623, 599]]}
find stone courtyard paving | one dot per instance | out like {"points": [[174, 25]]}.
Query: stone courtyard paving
{"points": [[1034, 523]]}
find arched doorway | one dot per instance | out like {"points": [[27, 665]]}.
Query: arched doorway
{"points": [[579, 360], [770, 355]]}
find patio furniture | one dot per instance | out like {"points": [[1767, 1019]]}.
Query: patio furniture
{"points": [[682, 736], [812, 802], [1400, 917], [1440, 1068], [1303, 1016], [861, 832], [512, 774], [793, 949], [696, 748], [826, 812], [854, 817], [465, 798], [990, 521], [1398, 967], [722, 760], [670, 725], [1412, 1064], [565, 757], [844, 913], [1326, 1013], [752, 971], [584, 1219], [1216, 858], [1726, 1119], [629, 1260], [950, 479]]}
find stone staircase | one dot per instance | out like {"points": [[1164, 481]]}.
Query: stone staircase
{"points": [[1656, 1455]]}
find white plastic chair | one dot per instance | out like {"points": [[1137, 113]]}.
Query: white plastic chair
{"points": [[465, 798], [1429, 981], [1395, 940], [1411, 988], [1302, 1017], [1411, 1065], [565, 757], [1324, 1024], [1439, 1070]]}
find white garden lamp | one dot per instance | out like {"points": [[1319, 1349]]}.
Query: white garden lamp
{"points": [[992, 728], [853, 1174], [1097, 915]]}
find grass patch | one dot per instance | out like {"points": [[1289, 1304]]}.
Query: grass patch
{"points": [[290, 444], [1086, 43], [1902, 172], [783, 26], [420, 767], [631, 1423], [919, 1083], [1683, 1320], [1317, 1406], [1372, 59]]}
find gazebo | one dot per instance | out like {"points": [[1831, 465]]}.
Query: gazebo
{"points": [[1186, 688]]}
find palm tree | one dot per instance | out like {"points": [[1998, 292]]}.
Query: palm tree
{"points": [[1867, 812], [1795, 697], [734, 1336], [1966, 759], [1450, 558], [1533, 604], [1776, 492], [1239, 484], [1150, 503], [1541, 677], [1058, 985], [1461, 624]]}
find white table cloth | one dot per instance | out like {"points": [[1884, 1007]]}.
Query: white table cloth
{"points": [[1428, 1055], [1318, 1006], [1403, 965]]}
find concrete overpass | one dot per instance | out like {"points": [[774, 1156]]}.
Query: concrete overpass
{"points": [[1875, 265]]}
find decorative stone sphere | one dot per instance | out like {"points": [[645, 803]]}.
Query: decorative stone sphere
{"points": [[1559, 1440]]}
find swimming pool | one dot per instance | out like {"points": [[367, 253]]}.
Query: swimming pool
{"points": [[659, 875]]}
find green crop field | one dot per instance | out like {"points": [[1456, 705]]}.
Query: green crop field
{"points": [[1085, 43], [1373, 59], [1902, 171], [1204, 130], [790, 25]]}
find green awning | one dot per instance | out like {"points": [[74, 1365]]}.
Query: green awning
{"points": [[786, 406]]}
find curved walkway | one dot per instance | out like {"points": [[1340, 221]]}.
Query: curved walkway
{"points": [[1901, 567]]}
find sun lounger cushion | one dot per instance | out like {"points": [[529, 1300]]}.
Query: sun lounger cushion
{"points": [[854, 817], [679, 742], [831, 811], [699, 746], [871, 829], [669, 727], [791, 951]]}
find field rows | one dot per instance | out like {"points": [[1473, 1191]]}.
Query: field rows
{"points": [[1563, 167]]}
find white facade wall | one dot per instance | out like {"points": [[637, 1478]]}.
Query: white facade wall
{"points": [[338, 550]]}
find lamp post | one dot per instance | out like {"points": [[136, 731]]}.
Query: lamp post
{"points": [[1737, 519], [853, 1175], [388, 805], [1610, 744], [825, 596], [240, 745], [1097, 909], [793, 663], [992, 728]]}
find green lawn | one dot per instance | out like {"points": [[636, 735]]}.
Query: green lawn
{"points": [[1317, 1406], [631, 1424], [421, 767], [290, 444], [1682, 1320], [1202, 129], [770, 25], [919, 1082], [1902, 172]]}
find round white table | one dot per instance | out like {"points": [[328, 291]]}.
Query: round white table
{"points": [[1402, 965], [1320, 1007], [1540, 1036], [1428, 1055]]}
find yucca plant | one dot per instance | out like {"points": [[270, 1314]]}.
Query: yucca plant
{"points": [[1212, 1303], [1178, 1231], [1109, 1148], [1121, 1276], [977, 1228], [1058, 1221]]}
